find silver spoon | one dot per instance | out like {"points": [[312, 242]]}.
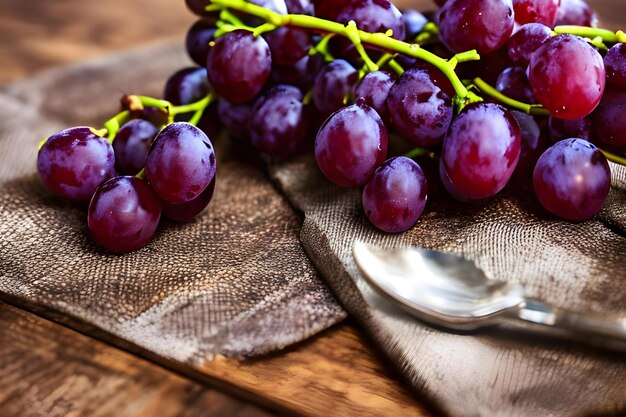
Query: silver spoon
{"points": [[452, 292]]}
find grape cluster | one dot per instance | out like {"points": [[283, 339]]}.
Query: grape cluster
{"points": [[485, 95]]}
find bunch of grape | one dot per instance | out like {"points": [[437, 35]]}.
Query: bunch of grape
{"points": [[356, 74]]}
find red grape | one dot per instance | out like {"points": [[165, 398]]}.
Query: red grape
{"points": [[575, 12], [523, 44], [536, 11], [186, 212]]}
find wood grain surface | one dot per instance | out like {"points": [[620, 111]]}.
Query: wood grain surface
{"points": [[48, 370]]}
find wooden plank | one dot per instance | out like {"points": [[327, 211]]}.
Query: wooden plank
{"points": [[49, 370]]}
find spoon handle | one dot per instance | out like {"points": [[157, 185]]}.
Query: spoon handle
{"points": [[588, 328]]}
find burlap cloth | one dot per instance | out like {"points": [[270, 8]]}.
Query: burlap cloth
{"points": [[46, 257]]}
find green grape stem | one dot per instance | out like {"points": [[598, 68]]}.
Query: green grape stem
{"points": [[358, 37], [604, 35], [490, 91]]}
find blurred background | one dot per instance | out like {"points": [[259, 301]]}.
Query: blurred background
{"points": [[38, 34]]}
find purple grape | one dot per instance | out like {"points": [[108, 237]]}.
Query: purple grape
{"points": [[567, 76], [577, 13], [187, 86], [334, 81], [523, 44], [536, 11], [279, 123], [210, 122], [330, 9], [488, 68], [484, 25], [419, 110], [239, 65], [197, 41], [288, 45], [480, 151], [300, 7], [563, 129], [74, 162], [373, 89], [131, 145], [298, 74], [236, 118], [572, 179], [123, 214], [414, 23], [514, 83], [374, 16], [533, 143], [608, 121], [198, 7], [180, 163], [395, 197], [186, 212], [351, 144], [615, 64]]}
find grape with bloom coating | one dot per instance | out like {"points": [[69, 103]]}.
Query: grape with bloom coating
{"points": [[577, 13], [395, 197], [374, 16], [131, 145], [374, 89], [123, 214], [236, 118], [523, 44], [572, 179], [198, 41], [333, 82], [187, 86], [180, 163], [480, 151], [74, 162], [351, 144], [567, 76], [615, 64], [513, 83], [239, 65], [536, 11]]}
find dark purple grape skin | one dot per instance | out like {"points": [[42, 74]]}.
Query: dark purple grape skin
{"points": [[239, 65], [236, 118], [374, 16], [131, 145], [74, 162], [301, 74], [536, 11], [374, 89], [533, 144], [330, 9], [351, 144], [279, 122], [414, 23], [577, 13], [513, 83], [300, 7], [288, 45], [608, 121], [395, 197], [197, 41], [480, 151], [198, 8], [187, 86], [123, 214], [523, 44], [420, 111], [572, 179], [563, 129], [334, 81], [186, 212], [615, 65], [484, 25], [210, 122], [567, 76], [180, 163]]}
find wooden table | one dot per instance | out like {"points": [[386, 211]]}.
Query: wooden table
{"points": [[48, 369]]}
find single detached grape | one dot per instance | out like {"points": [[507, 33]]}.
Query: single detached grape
{"points": [[238, 65], [131, 145], [279, 123], [180, 163], [563, 129], [575, 12], [395, 197], [523, 44], [198, 40], [608, 121], [484, 25], [335, 80], [187, 86], [615, 64], [419, 110], [351, 144], [514, 83], [572, 179], [373, 89], [74, 162], [288, 45], [186, 212], [567, 76], [480, 152], [536, 11], [123, 214]]}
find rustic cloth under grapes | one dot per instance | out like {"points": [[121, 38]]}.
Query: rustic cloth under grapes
{"points": [[44, 242]]}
